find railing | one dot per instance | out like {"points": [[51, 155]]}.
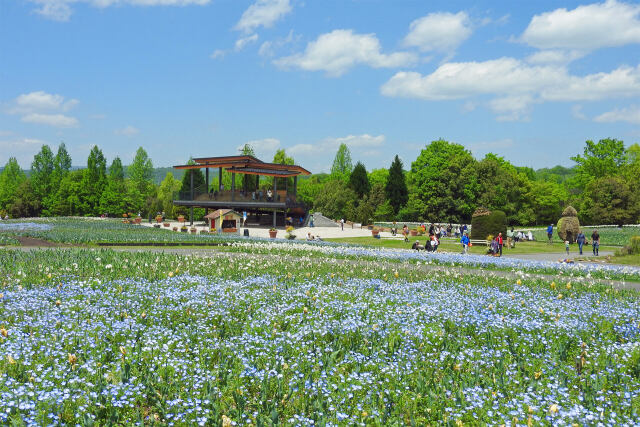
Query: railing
{"points": [[239, 196]]}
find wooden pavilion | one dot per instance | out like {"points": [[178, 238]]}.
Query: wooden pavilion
{"points": [[255, 200]]}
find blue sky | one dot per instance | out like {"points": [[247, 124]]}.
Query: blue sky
{"points": [[530, 81]]}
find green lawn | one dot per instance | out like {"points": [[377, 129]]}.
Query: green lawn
{"points": [[452, 245]]}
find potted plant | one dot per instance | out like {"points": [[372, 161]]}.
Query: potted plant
{"points": [[272, 233], [374, 231], [194, 230], [290, 234], [175, 228], [138, 220], [180, 218], [184, 229], [158, 219], [413, 232], [166, 224]]}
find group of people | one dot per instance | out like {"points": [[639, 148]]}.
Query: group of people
{"points": [[581, 240], [312, 238]]}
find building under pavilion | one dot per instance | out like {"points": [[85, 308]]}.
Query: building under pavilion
{"points": [[264, 201]]}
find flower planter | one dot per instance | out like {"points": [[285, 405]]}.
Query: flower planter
{"points": [[180, 218], [184, 230], [194, 230], [138, 220], [229, 230], [374, 232], [156, 225], [413, 232], [273, 233], [166, 224], [175, 228], [159, 219]]}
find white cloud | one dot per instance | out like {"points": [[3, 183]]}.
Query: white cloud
{"points": [[218, 53], [330, 145], [587, 27], [242, 42], [127, 131], [41, 107], [41, 101], [554, 57], [512, 108], [576, 111], [56, 120], [264, 148], [515, 83], [269, 47], [440, 31], [263, 13], [338, 51], [22, 149], [630, 115], [318, 156], [60, 10]]}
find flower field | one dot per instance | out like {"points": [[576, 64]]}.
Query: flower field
{"points": [[96, 337], [609, 235]]}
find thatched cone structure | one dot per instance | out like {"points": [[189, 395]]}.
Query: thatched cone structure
{"points": [[569, 225]]}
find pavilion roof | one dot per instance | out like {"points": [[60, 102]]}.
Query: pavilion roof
{"points": [[247, 165]]}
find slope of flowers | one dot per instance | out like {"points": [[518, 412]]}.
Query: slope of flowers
{"points": [[89, 339]]}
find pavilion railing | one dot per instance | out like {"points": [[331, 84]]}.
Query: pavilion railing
{"points": [[239, 196]]}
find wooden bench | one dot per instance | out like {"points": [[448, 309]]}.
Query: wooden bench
{"points": [[480, 242]]}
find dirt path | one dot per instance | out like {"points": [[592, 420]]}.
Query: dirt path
{"points": [[30, 242]]}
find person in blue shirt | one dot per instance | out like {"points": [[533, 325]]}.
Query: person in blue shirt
{"points": [[465, 243], [581, 239], [550, 232]]}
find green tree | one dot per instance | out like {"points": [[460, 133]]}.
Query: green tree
{"points": [[442, 183], [61, 167], [167, 188], [500, 186], [198, 180], [41, 174], [336, 200], [359, 181], [310, 187], [141, 184], [93, 181], [11, 178], [342, 166], [115, 199], [25, 202], [546, 200], [396, 186], [281, 158], [379, 176], [604, 158], [70, 197], [248, 182], [610, 200]]}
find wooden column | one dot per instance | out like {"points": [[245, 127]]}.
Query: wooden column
{"points": [[191, 208], [233, 186], [219, 179], [206, 210], [274, 218], [275, 190], [295, 186]]}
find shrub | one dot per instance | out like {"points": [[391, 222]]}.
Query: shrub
{"points": [[569, 225], [633, 248], [485, 223]]}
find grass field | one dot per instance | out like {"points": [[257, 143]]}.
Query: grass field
{"points": [[99, 337]]}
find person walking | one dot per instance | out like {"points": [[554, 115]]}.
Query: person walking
{"points": [[595, 242], [465, 243], [244, 218], [510, 240], [566, 247], [500, 243], [342, 224], [581, 239], [550, 233], [311, 221]]}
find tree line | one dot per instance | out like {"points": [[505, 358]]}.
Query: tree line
{"points": [[445, 183]]}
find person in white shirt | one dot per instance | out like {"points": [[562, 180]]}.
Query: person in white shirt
{"points": [[529, 235]]}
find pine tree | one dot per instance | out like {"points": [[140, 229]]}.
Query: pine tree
{"points": [[115, 198], [41, 174], [359, 181], [94, 180], [396, 187]]}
